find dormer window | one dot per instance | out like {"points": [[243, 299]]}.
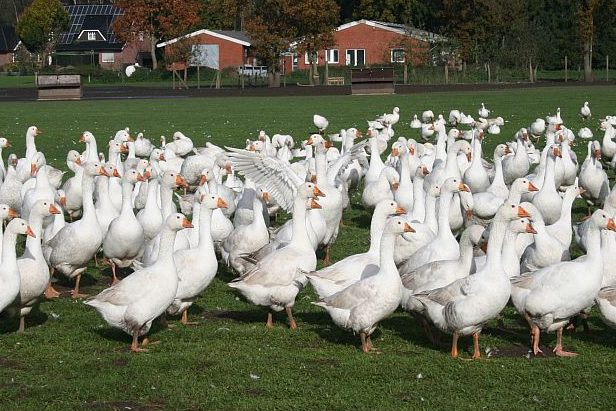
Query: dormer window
{"points": [[91, 35]]}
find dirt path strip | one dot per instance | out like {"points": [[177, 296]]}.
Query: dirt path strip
{"points": [[136, 92]]}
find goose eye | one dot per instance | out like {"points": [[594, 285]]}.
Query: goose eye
{"points": [[512, 206]]}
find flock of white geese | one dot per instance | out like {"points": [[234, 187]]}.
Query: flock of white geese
{"points": [[512, 216]]}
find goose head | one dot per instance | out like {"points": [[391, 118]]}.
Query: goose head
{"points": [[12, 159], [60, 198], [509, 211], [20, 226], [123, 136], [33, 131], [309, 190], [388, 208], [206, 175], [421, 172], [44, 208], [7, 212], [4, 143], [501, 150], [132, 176], [524, 185], [178, 135], [397, 225], [392, 177], [434, 190], [73, 156], [601, 219], [86, 137], [522, 225], [38, 161], [464, 147], [171, 179], [454, 185], [93, 168], [157, 155], [212, 201], [111, 170], [263, 194], [177, 221]]}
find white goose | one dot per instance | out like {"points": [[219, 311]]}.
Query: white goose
{"points": [[9, 272], [585, 111], [336, 277], [246, 239], [196, 267], [547, 199], [362, 305], [547, 298], [275, 280], [132, 304], [33, 269], [125, 239], [517, 166], [75, 244], [476, 176], [464, 306], [592, 176]]}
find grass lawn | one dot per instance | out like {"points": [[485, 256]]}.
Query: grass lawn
{"points": [[69, 358]]}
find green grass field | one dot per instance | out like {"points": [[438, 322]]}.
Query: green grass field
{"points": [[68, 358]]}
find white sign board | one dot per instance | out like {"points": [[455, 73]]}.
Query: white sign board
{"points": [[205, 55]]}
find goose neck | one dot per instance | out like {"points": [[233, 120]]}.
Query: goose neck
{"points": [[495, 244], [167, 240], [321, 168], [206, 246], [386, 253], [377, 225], [300, 237], [9, 255], [127, 201], [258, 222], [444, 204], [87, 188], [33, 244]]}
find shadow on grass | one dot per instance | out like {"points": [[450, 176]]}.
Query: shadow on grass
{"points": [[9, 320]]}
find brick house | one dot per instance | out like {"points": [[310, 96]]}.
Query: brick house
{"points": [[8, 44], [91, 41], [368, 42], [219, 49]]}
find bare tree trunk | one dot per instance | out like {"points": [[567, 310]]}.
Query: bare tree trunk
{"points": [[530, 68], [588, 77], [315, 72], [310, 76], [153, 41], [489, 73], [446, 73], [274, 79]]}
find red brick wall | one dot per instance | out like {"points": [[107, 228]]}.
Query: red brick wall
{"points": [[6, 59], [230, 54], [376, 42], [127, 56]]}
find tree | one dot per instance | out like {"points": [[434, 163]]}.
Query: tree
{"points": [[391, 11], [156, 19], [274, 24], [40, 25], [586, 28], [315, 21], [223, 14]]}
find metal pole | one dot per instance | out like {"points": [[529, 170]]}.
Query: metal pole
{"points": [[566, 69]]}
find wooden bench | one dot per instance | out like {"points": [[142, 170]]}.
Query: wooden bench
{"points": [[59, 86], [372, 80], [335, 81]]}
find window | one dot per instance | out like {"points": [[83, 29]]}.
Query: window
{"points": [[307, 58], [107, 57], [91, 35], [140, 36], [397, 55], [332, 56], [355, 57]]}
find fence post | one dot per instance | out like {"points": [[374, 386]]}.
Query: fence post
{"points": [[566, 69], [607, 68], [446, 73]]}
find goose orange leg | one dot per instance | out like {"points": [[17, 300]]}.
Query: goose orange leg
{"points": [[535, 335], [558, 350], [115, 279], [22, 324], [454, 345], [75, 292], [134, 347], [270, 321], [476, 352], [292, 323], [364, 344]]}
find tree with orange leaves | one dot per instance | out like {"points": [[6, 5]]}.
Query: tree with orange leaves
{"points": [[156, 19]]}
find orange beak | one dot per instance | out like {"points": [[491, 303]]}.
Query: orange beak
{"points": [[317, 192], [395, 152], [425, 170], [82, 139], [161, 157], [30, 233], [507, 150], [53, 209], [140, 177], [12, 213], [38, 132], [314, 204], [309, 142], [62, 201], [400, 210], [186, 223], [408, 228], [313, 178], [130, 138], [557, 152], [469, 213], [532, 187], [203, 180], [266, 196], [220, 203], [123, 148], [180, 181], [103, 172], [328, 144], [611, 225], [463, 187], [116, 173], [395, 186], [33, 169], [147, 175], [359, 134], [412, 151], [469, 156], [8, 144], [597, 154], [252, 148], [557, 126], [484, 246], [523, 213], [78, 161], [531, 230]]}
